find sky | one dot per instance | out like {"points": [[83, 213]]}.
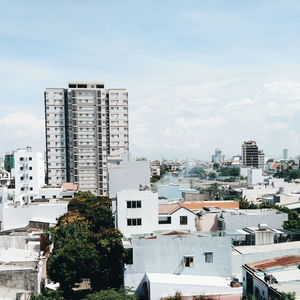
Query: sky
{"points": [[200, 74]]}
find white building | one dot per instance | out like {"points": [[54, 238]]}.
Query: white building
{"points": [[166, 285], [18, 216], [138, 212], [175, 217], [29, 174], [254, 176], [178, 253], [128, 174], [86, 124]]}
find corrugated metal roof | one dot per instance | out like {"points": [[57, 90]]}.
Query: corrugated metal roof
{"points": [[276, 262]]}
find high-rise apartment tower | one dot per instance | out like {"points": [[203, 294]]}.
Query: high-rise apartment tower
{"points": [[250, 154], [285, 153], [86, 129]]}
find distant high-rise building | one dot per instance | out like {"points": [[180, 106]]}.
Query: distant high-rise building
{"points": [[250, 154], [218, 157], [285, 154], [261, 159], [86, 129]]}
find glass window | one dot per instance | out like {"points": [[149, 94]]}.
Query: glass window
{"points": [[183, 220], [209, 257]]}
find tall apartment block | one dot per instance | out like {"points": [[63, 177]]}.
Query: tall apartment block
{"points": [[86, 129], [250, 154]]}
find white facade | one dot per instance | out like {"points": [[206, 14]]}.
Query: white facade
{"points": [[145, 215], [181, 219], [29, 174], [129, 174], [138, 212], [244, 171], [86, 124], [254, 176]]}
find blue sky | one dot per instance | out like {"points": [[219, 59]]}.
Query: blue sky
{"points": [[200, 74]]}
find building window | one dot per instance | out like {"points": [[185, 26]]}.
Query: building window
{"points": [[134, 222], [134, 204], [30, 168], [209, 257], [31, 188], [183, 220], [30, 177], [30, 158], [43, 197], [188, 261], [164, 220], [54, 196], [21, 178], [21, 158]]}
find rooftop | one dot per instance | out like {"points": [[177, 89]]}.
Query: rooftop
{"points": [[187, 279], [275, 263], [200, 205], [168, 209], [266, 248]]}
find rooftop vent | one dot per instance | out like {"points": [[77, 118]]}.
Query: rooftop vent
{"points": [[262, 227]]}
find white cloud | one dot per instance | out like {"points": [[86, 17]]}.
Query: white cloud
{"points": [[21, 129]]}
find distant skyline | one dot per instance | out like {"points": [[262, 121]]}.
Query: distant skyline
{"points": [[200, 74]]}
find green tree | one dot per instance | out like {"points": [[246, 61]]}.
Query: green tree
{"points": [[73, 254], [234, 172], [48, 295], [289, 296], [216, 166], [112, 294], [97, 210], [214, 191], [86, 246], [108, 267]]}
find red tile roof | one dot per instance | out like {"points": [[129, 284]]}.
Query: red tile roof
{"points": [[201, 204], [70, 186], [168, 209], [175, 233]]}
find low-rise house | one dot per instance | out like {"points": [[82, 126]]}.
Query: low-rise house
{"points": [[138, 212], [175, 217], [179, 253], [272, 278], [22, 268], [159, 286]]}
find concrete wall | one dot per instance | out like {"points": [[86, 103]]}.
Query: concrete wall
{"points": [[128, 175], [13, 241], [231, 221], [208, 222], [254, 176], [25, 279], [165, 254], [196, 197]]}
